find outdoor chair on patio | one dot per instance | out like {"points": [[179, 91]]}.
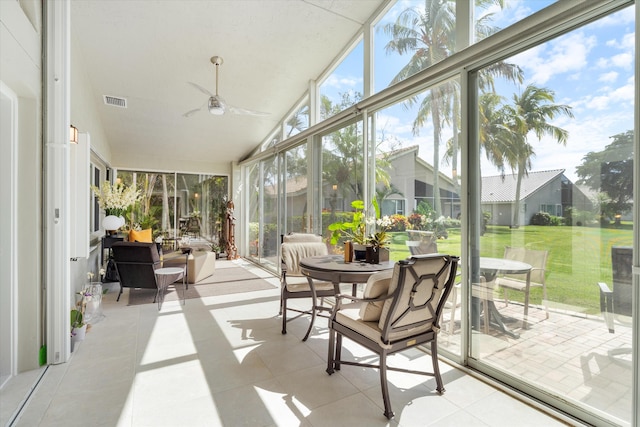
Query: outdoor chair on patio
{"points": [[421, 242], [294, 247], [520, 282], [410, 316], [616, 302]]}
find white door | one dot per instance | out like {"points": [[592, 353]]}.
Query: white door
{"points": [[8, 142]]}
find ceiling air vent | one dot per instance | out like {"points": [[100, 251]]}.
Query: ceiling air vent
{"points": [[115, 101]]}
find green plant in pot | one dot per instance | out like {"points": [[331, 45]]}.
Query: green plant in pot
{"points": [[78, 327], [356, 229], [379, 240]]}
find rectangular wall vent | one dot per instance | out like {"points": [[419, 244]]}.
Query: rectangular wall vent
{"points": [[115, 101]]}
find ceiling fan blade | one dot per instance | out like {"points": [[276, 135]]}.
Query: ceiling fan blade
{"points": [[200, 88], [237, 110], [195, 110]]}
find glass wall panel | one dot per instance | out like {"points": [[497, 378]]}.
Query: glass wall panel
{"points": [[417, 182], [298, 122], [342, 175], [344, 87], [269, 237], [490, 17], [296, 184], [179, 207], [155, 209], [552, 297], [412, 36], [253, 211]]}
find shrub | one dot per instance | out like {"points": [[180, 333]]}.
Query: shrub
{"points": [[541, 218], [398, 223], [557, 220], [417, 221]]}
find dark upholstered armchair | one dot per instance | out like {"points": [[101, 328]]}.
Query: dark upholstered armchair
{"points": [[136, 263]]}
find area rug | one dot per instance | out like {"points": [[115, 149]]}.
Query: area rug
{"points": [[224, 281]]}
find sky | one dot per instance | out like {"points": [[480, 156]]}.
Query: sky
{"points": [[590, 69]]}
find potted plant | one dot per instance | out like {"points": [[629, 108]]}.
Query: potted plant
{"points": [[379, 240], [78, 327], [356, 229]]}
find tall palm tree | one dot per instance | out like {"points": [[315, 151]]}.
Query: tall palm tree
{"points": [[429, 37], [531, 111]]}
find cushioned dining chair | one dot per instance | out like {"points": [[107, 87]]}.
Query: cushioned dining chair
{"points": [[405, 315], [136, 263], [518, 282], [294, 247], [421, 242]]}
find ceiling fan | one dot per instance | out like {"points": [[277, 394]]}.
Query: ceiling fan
{"points": [[216, 104]]}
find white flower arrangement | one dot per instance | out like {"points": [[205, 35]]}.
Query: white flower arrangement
{"points": [[115, 199]]}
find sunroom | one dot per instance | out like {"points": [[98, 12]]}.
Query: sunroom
{"points": [[500, 130]]}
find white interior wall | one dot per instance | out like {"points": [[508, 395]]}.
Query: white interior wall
{"points": [[84, 104]]}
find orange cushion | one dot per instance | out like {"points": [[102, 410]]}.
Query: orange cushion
{"points": [[144, 236]]}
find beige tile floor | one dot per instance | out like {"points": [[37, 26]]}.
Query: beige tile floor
{"points": [[222, 361]]}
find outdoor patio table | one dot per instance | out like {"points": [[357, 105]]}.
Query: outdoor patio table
{"points": [[332, 268], [489, 268]]}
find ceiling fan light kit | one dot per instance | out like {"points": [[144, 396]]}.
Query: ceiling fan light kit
{"points": [[216, 104], [215, 107]]}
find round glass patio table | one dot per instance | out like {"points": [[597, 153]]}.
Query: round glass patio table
{"points": [[489, 268]]}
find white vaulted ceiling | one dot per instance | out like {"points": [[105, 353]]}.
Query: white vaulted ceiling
{"points": [[147, 50]]}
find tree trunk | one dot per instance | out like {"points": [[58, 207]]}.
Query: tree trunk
{"points": [[516, 213], [165, 204], [436, 161]]}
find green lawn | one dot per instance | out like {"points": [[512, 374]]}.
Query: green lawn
{"points": [[579, 257]]}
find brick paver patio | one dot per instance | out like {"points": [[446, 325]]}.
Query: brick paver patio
{"points": [[568, 354]]}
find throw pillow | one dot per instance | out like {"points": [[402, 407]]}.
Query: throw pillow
{"points": [[144, 236], [377, 286]]}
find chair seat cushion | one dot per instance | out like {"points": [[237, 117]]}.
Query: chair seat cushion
{"points": [[350, 317], [377, 286], [508, 282], [300, 284]]}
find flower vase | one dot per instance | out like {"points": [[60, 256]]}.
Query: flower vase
{"points": [[78, 334], [111, 223], [383, 255], [92, 302], [376, 255], [360, 252]]}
